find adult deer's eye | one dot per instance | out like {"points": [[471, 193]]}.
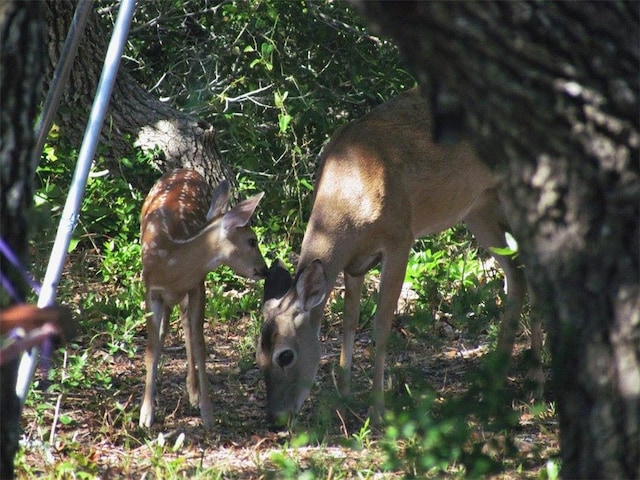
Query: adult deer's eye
{"points": [[285, 358], [253, 242]]}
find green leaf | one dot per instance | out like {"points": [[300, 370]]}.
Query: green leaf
{"points": [[73, 243], [65, 419], [266, 49], [553, 470], [279, 99], [505, 252], [306, 184], [284, 121]]}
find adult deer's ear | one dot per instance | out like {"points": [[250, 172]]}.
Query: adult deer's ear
{"points": [[278, 281], [311, 285]]}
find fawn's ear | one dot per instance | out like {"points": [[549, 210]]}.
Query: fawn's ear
{"points": [[240, 215], [219, 200], [311, 285]]}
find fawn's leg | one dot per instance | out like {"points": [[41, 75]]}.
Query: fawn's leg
{"points": [[193, 388], [157, 320], [193, 324]]}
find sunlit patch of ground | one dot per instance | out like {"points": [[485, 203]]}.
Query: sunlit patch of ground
{"points": [[102, 436]]}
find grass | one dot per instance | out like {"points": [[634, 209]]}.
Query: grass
{"points": [[446, 417], [85, 425]]}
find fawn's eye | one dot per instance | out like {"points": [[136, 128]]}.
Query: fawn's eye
{"points": [[253, 242]]}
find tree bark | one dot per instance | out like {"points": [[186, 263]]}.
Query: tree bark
{"points": [[135, 116], [551, 96], [22, 56], [21, 64]]}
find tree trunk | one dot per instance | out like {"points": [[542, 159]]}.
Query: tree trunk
{"points": [[551, 95], [21, 62], [22, 58], [135, 116]]}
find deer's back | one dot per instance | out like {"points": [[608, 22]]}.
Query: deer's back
{"points": [[384, 170], [176, 207]]}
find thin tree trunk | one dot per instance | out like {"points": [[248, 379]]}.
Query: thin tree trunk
{"points": [[135, 116], [21, 64], [551, 95]]}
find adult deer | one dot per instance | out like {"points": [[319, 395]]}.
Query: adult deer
{"points": [[183, 238], [382, 183]]}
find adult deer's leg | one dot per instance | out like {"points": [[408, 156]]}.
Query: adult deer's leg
{"points": [[193, 323], [394, 265], [157, 318], [489, 225], [536, 374], [352, 294]]}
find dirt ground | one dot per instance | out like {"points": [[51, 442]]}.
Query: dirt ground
{"points": [[104, 434]]}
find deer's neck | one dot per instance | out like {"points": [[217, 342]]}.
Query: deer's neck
{"points": [[182, 264]]}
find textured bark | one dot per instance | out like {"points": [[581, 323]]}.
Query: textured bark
{"points": [[22, 54], [551, 96], [134, 115], [21, 63]]}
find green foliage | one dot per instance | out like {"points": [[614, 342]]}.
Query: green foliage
{"points": [[108, 230], [551, 471], [109, 216], [76, 466], [275, 77], [288, 464], [417, 443], [448, 273], [424, 437]]}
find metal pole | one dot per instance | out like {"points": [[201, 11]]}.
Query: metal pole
{"points": [[74, 199]]}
